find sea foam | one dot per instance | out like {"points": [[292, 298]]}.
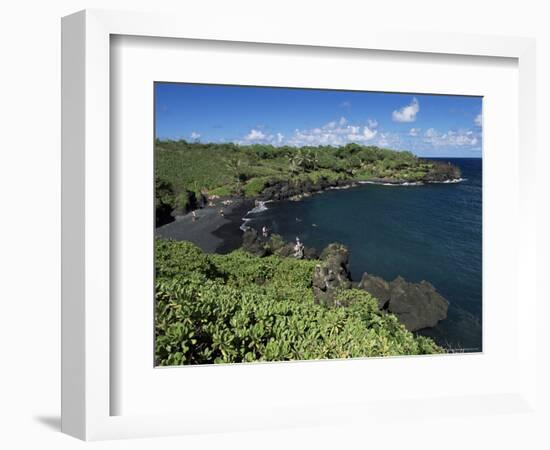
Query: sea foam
{"points": [[259, 207]]}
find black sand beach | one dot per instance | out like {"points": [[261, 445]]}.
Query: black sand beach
{"points": [[211, 231]]}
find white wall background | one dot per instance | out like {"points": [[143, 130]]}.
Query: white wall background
{"points": [[30, 198]]}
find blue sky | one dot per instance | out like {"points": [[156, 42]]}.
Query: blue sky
{"points": [[427, 125]]}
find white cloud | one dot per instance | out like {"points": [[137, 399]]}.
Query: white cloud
{"points": [[383, 140], [336, 123], [340, 132], [334, 133], [452, 138], [372, 123], [255, 135], [194, 135], [345, 105], [478, 120], [366, 135], [407, 113], [430, 133], [389, 140]]}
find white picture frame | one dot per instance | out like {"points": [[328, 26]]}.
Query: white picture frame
{"points": [[87, 328]]}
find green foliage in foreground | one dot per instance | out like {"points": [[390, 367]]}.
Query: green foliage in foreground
{"points": [[242, 308]]}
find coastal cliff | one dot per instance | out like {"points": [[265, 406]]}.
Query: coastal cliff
{"points": [[416, 305]]}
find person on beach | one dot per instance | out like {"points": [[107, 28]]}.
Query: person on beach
{"points": [[221, 212], [194, 216], [298, 249], [265, 231]]}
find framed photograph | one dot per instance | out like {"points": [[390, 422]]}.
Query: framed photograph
{"points": [[252, 217]]}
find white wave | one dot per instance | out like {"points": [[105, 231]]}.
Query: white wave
{"points": [[244, 225], [259, 207], [404, 183], [453, 181], [414, 183], [339, 188]]}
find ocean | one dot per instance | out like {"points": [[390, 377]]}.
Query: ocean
{"points": [[431, 232]]}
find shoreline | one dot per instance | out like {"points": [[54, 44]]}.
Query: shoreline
{"points": [[284, 190], [382, 182], [211, 231], [214, 233]]}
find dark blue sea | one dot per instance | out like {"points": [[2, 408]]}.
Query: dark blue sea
{"points": [[431, 232]]}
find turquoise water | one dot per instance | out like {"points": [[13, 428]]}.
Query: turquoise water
{"points": [[431, 232]]}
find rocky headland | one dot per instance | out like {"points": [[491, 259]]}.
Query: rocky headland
{"points": [[416, 305], [299, 188]]}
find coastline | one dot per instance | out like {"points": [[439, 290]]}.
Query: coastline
{"points": [[211, 231], [214, 233], [224, 234], [287, 190]]}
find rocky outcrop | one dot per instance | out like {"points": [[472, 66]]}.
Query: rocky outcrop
{"points": [[416, 305], [331, 275], [258, 245], [442, 172], [253, 243], [377, 287], [295, 189], [189, 201]]}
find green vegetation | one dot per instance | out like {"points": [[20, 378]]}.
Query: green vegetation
{"points": [[238, 307], [230, 170]]}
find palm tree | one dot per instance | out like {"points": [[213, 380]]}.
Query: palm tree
{"points": [[296, 162], [301, 161], [314, 159], [363, 166], [236, 166]]}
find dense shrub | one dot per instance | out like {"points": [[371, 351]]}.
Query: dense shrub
{"points": [[242, 308], [255, 186], [224, 169], [164, 201], [186, 171], [181, 258]]}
